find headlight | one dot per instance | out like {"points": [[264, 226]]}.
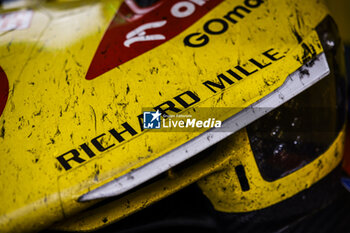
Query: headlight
{"points": [[302, 129]]}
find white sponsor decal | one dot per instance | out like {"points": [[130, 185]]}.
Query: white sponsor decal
{"points": [[179, 10], [139, 33], [18, 20]]}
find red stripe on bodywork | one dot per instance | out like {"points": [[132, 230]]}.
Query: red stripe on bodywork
{"points": [[4, 90], [112, 53]]}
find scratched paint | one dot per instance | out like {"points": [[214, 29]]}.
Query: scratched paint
{"points": [[52, 108], [224, 189]]}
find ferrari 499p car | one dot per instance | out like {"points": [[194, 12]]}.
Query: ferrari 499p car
{"points": [[228, 114]]}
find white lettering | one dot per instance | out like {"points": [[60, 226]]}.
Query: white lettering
{"points": [[190, 123], [218, 124], [164, 125], [181, 124], [182, 9], [139, 33], [206, 124], [198, 2]]}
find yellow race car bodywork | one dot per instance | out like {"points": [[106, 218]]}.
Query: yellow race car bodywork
{"points": [[69, 128]]}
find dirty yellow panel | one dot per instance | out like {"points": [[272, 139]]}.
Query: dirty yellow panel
{"points": [[53, 111], [122, 207], [225, 193]]}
